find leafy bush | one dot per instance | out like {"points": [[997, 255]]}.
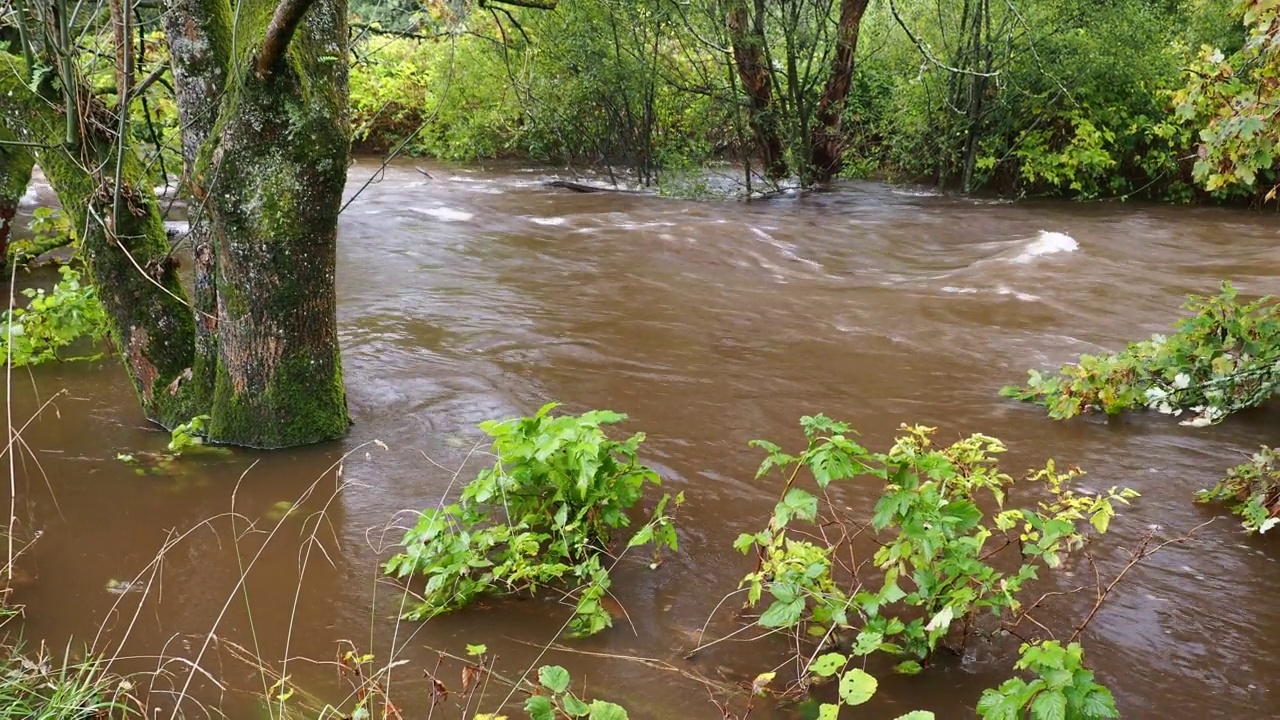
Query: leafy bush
{"points": [[1253, 489], [1225, 357], [1063, 689], [542, 514], [1235, 101], [53, 321], [932, 533]]}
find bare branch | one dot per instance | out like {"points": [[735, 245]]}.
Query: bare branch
{"points": [[284, 23], [535, 4]]}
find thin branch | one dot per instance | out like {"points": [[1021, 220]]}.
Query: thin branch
{"points": [[535, 4], [284, 23]]}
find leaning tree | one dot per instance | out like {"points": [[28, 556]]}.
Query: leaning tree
{"points": [[261, 90]]}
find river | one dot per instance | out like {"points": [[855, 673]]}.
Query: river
{"points": [[468, 294]]}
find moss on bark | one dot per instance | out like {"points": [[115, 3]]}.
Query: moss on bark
{"points": [[15, 175], [151, 322], [273, 175]]}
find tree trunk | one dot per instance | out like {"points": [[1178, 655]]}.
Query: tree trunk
{"points": [[748, 40], [270, 174], [827, 141], [266, 145], [128, 259], [15, 175]]}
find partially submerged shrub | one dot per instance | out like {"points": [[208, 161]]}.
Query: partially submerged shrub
{"points": [[1252, 489], [542, 514], [1224, 357], [1062, 689], [934, 573], [52, 321]]}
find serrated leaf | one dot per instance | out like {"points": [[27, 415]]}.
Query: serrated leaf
{"points": [[782, 614], [857, 686], [1049, 706], [477, 650], [554, 678]]}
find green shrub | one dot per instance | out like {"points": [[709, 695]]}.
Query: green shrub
{"points": [[1252, 489], [1225, 357], [52, 321], [543, 514]]}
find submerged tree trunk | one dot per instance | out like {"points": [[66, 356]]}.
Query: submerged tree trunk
{"points": [[127, 256], [746, 35], [270, 173], [15, 175], [827, 140], [262, 97]]}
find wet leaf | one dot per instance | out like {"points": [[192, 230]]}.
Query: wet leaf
{"points": [[761, 682], [601, 710], [477, 650], [828, 665], [540, 707], [828, 711], [554, 678], [917, 715], [575, 707], [857, 686]]}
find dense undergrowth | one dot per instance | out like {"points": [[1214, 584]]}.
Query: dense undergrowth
{"points": [[1046, 99]]}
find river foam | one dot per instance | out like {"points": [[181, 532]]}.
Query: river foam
{"points": [[445, 214], [1047, 243]]}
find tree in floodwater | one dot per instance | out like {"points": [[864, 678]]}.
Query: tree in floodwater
{"points": [[799, 116], [261, 92]]}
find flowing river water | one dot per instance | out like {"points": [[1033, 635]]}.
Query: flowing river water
{"points": [[469, 294]]}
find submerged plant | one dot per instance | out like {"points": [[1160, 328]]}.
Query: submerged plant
{"points": [[1062, 688], [1223, 358], [543, 514], [1252, 489], [933, 571]]}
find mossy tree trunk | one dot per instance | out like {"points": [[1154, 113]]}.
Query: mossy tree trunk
{"points": [[126, 255], [15, 175], [269, 172], [266, 144]]}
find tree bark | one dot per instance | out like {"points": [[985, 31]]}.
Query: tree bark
{"points": [[746, 36], [270, 174], [15, 175], [827, 140], [128, 260]]}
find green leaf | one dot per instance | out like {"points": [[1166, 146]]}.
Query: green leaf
{"points": [[857, 686], [554, 678], [575, 707], [782, 614], [908, 667], [476, 650], [828, 711], [828, 665], [917, 715], [601, 710], [540, 707], [1049, 706]]}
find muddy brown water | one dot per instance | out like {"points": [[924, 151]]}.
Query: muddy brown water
{"points": [[474, 294]]}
